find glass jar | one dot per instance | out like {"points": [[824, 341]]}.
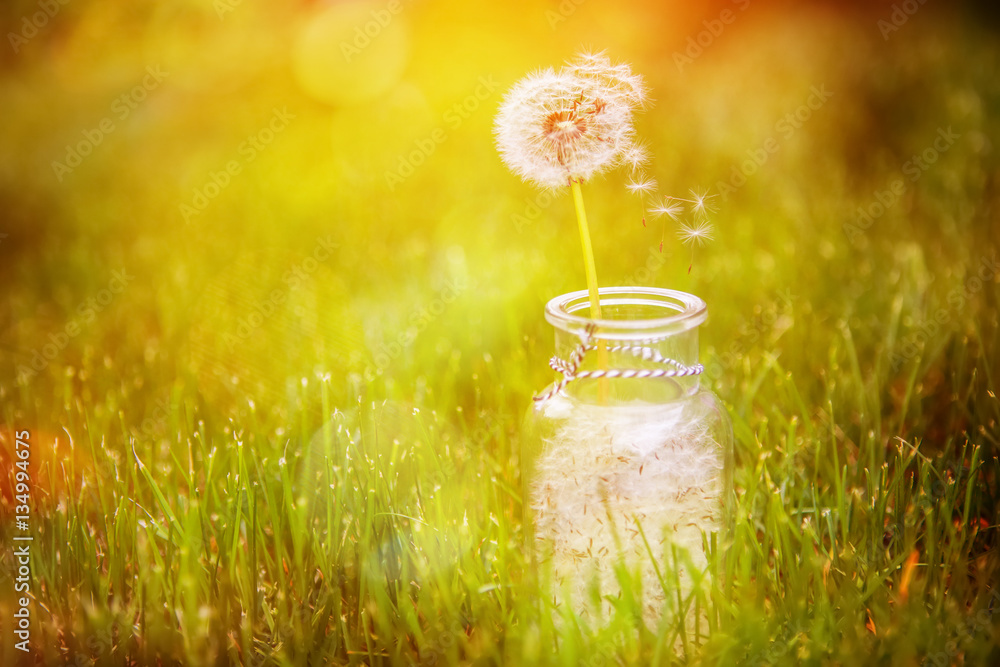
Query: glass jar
{"points": [[627, 459]]}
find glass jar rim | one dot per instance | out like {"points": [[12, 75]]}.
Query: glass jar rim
{"points": [[688, 311]]}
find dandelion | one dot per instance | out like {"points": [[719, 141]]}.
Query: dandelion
{"points": [[554, 128], [562, 128], [619, 78], [668, 209], [702, 204], [696, 235], [643, 187], [635, 157]]}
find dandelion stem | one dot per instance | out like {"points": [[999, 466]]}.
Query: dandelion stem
{"points": [[588, 252], [591, 270]]}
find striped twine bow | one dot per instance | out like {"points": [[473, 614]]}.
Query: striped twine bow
{"points": [[569, 371]]}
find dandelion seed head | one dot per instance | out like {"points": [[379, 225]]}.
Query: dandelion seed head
{"points": [[696, 235], [554, 127], [617, 78]]}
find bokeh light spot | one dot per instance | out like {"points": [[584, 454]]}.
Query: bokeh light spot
{"points": [[352, 53]]}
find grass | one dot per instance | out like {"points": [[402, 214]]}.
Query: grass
{"points": [[253, 454]]}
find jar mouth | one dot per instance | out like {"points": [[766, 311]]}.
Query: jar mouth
{"points": [[650, 312]]}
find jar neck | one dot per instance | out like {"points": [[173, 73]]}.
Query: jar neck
{"points": [[644, 348]]}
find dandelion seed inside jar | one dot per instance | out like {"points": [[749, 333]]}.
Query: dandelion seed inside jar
{"points": [[628, 464]]}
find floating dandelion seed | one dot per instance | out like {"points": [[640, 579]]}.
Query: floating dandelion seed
{"points": [[695, 235], [668, 209], [636, 156], [702, 203], [642, 186]]}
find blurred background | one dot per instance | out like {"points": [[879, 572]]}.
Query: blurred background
{"points": [[208, 149], [225, 221]]}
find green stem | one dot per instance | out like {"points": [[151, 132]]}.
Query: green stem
{"points": [[588, 252], [595, 298]]}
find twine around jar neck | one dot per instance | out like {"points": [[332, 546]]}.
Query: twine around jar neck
{"points": [[569, 367]]}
